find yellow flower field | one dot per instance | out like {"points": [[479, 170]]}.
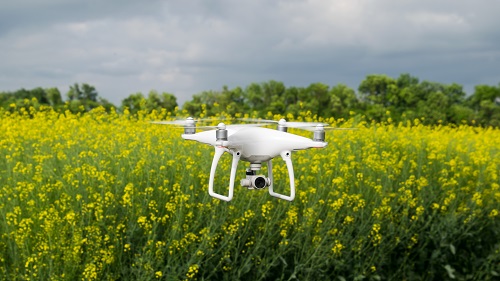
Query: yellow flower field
{"points": [[106, 196]]}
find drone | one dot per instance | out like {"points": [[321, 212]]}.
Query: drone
{"points": [[254, 144]]}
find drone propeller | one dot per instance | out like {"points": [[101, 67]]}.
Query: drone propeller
{"points": [[283, 124], [325, 128], [190, 126], [181, 122], [176, 123], [190, 121], [309, 126], [319, 131]]}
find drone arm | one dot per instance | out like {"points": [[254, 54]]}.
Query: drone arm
{"points": [[287, 157], [218, 153]]}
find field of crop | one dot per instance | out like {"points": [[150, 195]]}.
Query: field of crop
{"points": [[104, 196]]}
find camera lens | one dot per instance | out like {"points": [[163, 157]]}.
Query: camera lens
{"points": [[260, 182]]}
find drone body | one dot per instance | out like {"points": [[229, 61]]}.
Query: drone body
{"points": [[254, 144]]}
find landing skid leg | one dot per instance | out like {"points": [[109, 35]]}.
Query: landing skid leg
{"points": [[287, 157], [236, 158]]}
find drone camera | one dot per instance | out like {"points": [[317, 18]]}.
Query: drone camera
{"points": [[255, 182]]}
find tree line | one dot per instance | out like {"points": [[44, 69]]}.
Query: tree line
{"points": [[378, 98], [82, 98]]}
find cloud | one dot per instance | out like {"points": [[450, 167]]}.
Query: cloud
{"points": [[184, 47]]}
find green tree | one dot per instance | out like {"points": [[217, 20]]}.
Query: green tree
{"points": [[134, 102], [485, 104], [40, 95], [254, 96], [231, 101], [5, 99], [108, 106], [459, 113], [169, 101], [89, 93], [155, 101], [318, 99], [86, 95], [408, 95], [194, 106], [273, 97], [74, 92], [342, 100], [291, 99], [378, 89], [54, 97], [434, 108]]}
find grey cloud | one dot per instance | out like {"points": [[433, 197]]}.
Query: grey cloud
{"points": [[185, 47]]}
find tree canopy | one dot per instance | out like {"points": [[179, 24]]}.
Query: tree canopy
{"points": [[378, 97]]}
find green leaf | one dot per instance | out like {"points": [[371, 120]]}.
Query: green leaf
{"points": [[283, 260], [450, 271], [359, 277], [452, 249]]}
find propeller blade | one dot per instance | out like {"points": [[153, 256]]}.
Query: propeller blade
{"points": [[300, 125], [174, 122], [340, 129], [230, 126], [314, 128], [244, 125], [188, 121], [258, 120], [285, 123]]}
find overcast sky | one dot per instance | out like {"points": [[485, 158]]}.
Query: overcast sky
{"points": [[185, 47]]}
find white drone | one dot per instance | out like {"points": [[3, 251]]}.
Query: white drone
{"points": [[254, 144]]}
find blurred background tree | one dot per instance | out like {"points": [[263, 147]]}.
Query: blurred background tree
{"points": [[378, 98]]}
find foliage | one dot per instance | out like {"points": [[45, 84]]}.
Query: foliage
{"points": [[107, 196], [404, 98], [137, 102], [81, 98], [378, 98]]}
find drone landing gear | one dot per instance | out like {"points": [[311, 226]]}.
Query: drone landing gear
{"points": [[236, 158], [287, 157], [251, 181]]}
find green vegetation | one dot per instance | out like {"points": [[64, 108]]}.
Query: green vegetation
{"points": [[405, 98], [107, 196], [413, 194]]}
